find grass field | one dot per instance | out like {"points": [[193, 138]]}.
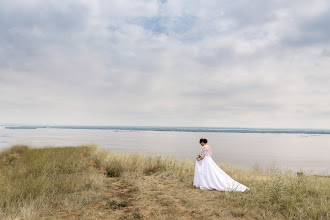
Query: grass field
{"points": [[86, 182]]}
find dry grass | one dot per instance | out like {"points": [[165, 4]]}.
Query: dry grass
{"points": [[35, 183], [90, 183]]}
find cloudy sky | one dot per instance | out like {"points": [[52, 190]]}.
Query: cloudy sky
{"points": [[249, 63]]}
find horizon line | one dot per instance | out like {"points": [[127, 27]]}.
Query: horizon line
{"points": [[164, 126]]}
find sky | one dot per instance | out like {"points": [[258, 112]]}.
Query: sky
{"points": [[244, 63]]}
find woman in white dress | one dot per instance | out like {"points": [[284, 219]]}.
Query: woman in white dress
{"points": [[209, 176]]}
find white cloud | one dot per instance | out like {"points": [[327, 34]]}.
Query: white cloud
{"points": [[214, 63]]}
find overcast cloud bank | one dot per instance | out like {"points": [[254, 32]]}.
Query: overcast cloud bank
{"points": [[167, 63]]}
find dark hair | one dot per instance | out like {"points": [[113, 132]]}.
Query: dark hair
{"points": [[203, 140]]}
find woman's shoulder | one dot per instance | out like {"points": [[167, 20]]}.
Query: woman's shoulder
{"points": [[206, 146]]}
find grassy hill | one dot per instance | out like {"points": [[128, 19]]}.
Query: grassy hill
{"points": [[87, 182]]}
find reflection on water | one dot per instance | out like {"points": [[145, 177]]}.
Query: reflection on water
{"points": [[293, 151]]}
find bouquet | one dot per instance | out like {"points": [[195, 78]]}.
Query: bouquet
{"points": [[199, 156]]}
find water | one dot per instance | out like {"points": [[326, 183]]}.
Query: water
{"points": [[184, 129], [295, 149]]}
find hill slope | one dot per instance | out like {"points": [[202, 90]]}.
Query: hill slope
{"points": [[86, 182]]}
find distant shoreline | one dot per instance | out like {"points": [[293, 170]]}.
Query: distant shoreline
{"points": [[183, 129]]}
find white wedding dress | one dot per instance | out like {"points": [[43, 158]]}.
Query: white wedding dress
{"points": [[209, 176]]}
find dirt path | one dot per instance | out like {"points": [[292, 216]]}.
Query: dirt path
{"points": [[156, 196]]}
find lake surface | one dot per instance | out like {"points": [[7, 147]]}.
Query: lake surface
{"points": [[306, 150]]}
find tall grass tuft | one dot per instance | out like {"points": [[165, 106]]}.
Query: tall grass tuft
{"points": [[141, 164]]}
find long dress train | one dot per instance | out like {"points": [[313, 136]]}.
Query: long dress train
{"points": [[209, 176]]}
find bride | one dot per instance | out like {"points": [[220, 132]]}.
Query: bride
{"points": [[209, 176]]}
